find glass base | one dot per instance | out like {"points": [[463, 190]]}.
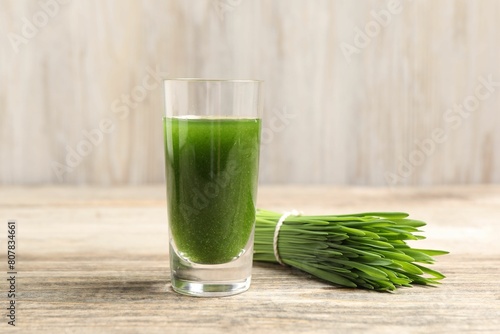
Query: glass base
{"points": [[211, 280], [209, 289]]}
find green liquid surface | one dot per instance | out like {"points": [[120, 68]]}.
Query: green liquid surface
{"points": [[211, 172]]}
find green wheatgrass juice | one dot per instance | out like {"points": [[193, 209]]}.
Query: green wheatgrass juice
{"points": [[211, 174]]}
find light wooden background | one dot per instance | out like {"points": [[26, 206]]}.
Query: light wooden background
{"points": [[356, 121]]}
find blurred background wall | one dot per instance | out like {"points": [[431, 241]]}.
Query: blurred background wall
{"points": [[358, 92]]}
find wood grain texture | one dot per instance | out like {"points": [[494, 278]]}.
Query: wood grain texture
{"points": [[367, 121], [95, 260]]}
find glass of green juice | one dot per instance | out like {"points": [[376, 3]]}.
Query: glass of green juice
{"points": [[212, 141]]}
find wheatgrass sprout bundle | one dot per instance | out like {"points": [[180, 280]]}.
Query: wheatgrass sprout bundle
{"points": [[365, 250]]}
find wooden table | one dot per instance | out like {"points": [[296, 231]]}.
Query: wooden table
{"points": [[95, 260]]}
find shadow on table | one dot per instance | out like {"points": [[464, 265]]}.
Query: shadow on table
{"points": [[268, 273]]}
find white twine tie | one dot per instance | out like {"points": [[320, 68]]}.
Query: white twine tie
{"points": [[277, 232]]}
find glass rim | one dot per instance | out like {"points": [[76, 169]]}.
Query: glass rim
{"points": [[212, 80]]}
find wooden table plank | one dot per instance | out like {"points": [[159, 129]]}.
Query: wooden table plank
{"points": [[95, 260]]}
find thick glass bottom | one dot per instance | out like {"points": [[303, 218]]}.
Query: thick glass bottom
{"points": [[211, 280], [209, 289]]}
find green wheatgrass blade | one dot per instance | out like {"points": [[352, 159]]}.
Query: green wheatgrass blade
{"points": [[369, 224], [365, 242], [396, 255], [410, 222], [435, 274], [395, 278], [408, 267], [329, 276], [418, 256], [397, 236], [366, 250], [374, 262], [393, 215], [372, 271], [345, 248], [431, 252]]}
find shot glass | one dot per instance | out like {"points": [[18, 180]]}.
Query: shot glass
{"points": [[212, 143]]}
